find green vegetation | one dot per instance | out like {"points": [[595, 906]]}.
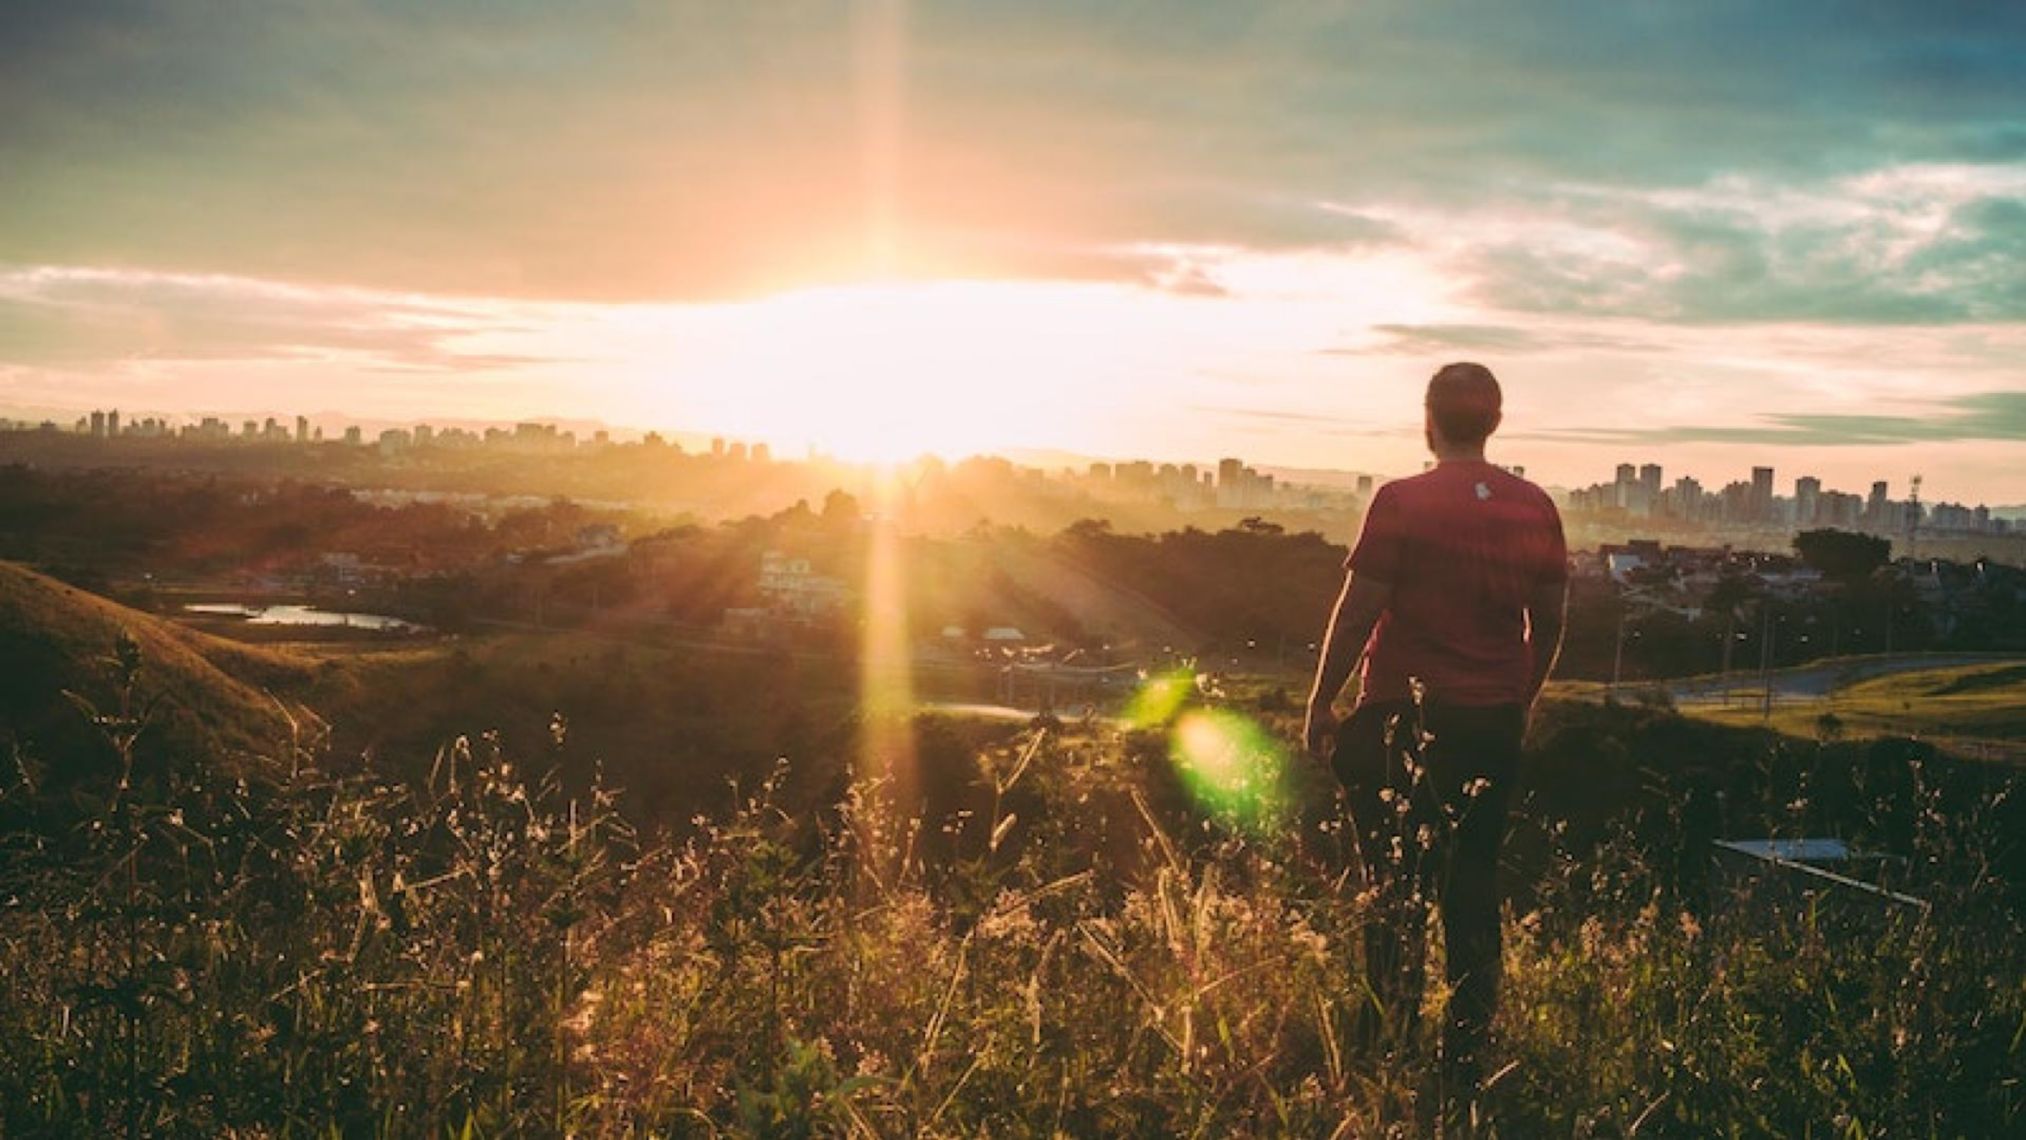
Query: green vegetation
{"points": [[206, 694], [1976, 710], [1069, 937]]}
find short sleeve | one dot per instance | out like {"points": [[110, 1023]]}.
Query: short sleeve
{"points": [[1379, 552]]}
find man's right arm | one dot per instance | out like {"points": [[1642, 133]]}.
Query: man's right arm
{"points": [[1363, 601]]}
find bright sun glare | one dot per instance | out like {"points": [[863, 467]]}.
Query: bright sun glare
{"points": [[886, 372]]}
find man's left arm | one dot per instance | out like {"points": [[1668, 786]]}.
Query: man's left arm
{"points": [[1547, 607], [1546, 619]]}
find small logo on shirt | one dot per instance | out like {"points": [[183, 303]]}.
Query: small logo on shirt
{"points": [[1483, 492]]}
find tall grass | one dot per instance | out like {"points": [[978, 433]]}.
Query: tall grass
{"points": [[1065, 948]]}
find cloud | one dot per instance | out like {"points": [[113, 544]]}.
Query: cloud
{"points": [[1900, 246], [1313, 423], [700, 150], [1502, 340], [88, 318], [1984, 416]]}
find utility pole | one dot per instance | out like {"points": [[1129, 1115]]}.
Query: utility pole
{"points": [[1730, 639], [1618, 651], [1766, 658]]}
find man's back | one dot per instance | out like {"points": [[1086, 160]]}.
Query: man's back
{"points": [[1459, 581], [1464, 546]]}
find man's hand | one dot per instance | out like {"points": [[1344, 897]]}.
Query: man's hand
{"points": [[1359, 606], [1319, 733]]}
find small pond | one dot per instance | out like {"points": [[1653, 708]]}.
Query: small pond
{"points": [[303, 615]]}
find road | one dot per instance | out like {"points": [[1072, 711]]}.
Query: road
{"points": [[1815, 681]]}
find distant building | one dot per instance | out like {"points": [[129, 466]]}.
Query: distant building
{"points": [[1762, 494], [790, 584], [1807, 500], [1625, 486]]}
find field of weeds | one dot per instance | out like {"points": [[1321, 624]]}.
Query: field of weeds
{"points": [[1074, 940]]}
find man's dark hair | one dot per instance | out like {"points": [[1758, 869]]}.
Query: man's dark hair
{"points": [[1464, 401]]}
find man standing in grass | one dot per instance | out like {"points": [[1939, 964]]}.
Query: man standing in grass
{"points": [[1453, 601]]}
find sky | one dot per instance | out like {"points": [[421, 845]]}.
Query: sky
{"points": [[1707, 234]]}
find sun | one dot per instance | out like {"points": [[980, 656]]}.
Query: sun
{"points": [[887, 372]]}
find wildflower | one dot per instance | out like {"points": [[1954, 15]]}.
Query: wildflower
{"points": [[1310, 942]]}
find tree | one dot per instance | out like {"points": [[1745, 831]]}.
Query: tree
{"points": [[1842, 555], [840, 509], [1731, 592], [1256, 525]]}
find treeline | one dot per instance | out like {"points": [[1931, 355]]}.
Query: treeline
{"points": [[1253, 588], [103, 524]]}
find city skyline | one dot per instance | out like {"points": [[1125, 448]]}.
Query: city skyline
{"points": [[1637, 487], [1638, 490], [886, 227]]}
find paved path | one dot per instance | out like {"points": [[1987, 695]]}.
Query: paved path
{"points": [[1815, 681]]}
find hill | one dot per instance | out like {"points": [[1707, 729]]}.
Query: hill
{"points": [[1974, 708], [201, 694]]}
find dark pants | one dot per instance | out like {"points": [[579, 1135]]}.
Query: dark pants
{"points": [[1429, 786]]}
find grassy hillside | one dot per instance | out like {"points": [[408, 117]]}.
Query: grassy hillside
{"points": [[203, 695], [1976, 710], [1072, 940], [673, 726]]}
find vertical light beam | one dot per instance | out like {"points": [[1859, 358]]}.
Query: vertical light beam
{"points": [[881, 31], [886, 683]]}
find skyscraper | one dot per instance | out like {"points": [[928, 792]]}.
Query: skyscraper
{"points": [[1687, 497], [1762, 494], [1807, 500]]}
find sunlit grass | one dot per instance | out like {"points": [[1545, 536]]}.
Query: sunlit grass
{"points": [[1099, 947]]}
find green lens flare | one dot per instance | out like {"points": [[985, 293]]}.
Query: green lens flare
{"points": [[1232, 768], [1160, 698]]}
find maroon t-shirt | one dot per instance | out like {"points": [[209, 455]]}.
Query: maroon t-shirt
{"points": [[1463, 546]]}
